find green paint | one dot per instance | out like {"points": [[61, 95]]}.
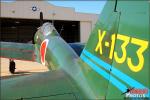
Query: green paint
{"points": [[70, 75], [17, 50]]}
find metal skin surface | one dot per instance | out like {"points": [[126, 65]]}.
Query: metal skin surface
{"points": [[110, 66], [20, 51]]}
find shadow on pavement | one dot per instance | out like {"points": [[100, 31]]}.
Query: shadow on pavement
{"points": [[16, 74]]}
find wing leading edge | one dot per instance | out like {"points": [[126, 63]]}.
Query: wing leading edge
{"points": [[19, 51]]}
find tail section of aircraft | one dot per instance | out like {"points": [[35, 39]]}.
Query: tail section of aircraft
{"points": [[117, 52], [114, 63]]}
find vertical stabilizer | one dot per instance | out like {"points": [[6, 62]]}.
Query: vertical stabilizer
{"points": [[117, 51]]}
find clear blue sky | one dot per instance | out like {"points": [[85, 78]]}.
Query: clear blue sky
{"points": [[82, 6]]}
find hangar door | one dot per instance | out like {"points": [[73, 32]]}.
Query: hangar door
{"points": [[23, 30]]}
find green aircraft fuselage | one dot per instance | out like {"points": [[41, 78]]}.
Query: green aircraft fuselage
{"points": [[113, 65]]}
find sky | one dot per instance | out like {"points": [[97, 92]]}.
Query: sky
{"points": [[80, 6]]}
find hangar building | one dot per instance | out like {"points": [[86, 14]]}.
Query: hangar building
{"points": [[20, 20]]}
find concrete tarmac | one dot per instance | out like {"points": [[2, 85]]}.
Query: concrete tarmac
{"points": [[22, 68]]}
